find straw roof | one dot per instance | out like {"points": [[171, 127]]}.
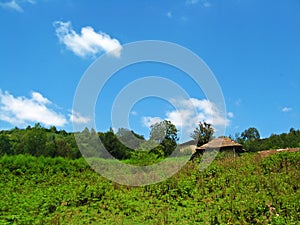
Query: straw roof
{"points": [[223, 142]]}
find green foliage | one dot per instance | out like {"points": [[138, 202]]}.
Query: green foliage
{"points": [[242, 190], [203, 133], [114, 146], [251, 141], [4, 144], [38, 141], [162, 130], [281, 162], [165, 134], [250, 134], [143, 158], [34, 140]]}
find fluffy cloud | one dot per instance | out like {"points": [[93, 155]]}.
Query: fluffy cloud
{"points": [[20, 111], [76, 117], [88, 42], [14, 4], [189, 112], [286, 109]]}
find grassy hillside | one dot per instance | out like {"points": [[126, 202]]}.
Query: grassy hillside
{"points": [[243, 190]]}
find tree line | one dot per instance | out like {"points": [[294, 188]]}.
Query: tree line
{"points": [[123, 144], [250, 139], [126, 144]]}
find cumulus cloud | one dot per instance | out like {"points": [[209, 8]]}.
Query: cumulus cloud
{"points": [[76, 117], [20, 111], [88, 42], [15, 4], [286, 109], [193, 110], [189, 112]]}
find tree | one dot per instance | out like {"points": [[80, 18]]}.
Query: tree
{"points": [[35, 140], [250, 139], [250, 134], [53, 129], [63, 148], [50, 147], [203, 133], [4, 144], [165, 134], [163, 130], [113, 145]]}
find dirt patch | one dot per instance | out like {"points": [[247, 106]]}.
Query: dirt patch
{"points": [[266, 153]]}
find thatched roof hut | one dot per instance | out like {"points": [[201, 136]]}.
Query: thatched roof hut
{"points": [[221, 144]]}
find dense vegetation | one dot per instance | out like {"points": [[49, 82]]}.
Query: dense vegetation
{"points": [[242, 190], [49, 142], [44, 180], [40, 141], [251, 140]]}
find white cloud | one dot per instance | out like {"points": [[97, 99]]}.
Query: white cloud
{"points": [[193, 109], [11, 5], [15, 4], [21, 110], [189, 112], [39, 98], [76, 117], [230, 114], [88, 42], [286, 109]]}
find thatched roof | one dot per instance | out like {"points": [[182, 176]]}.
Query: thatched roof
{"points": [[223, 142]]}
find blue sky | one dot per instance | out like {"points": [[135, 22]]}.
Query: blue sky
{"points": [[252, 47]]}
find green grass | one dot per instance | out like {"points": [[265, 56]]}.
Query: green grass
{"points": [[242, 190]]}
